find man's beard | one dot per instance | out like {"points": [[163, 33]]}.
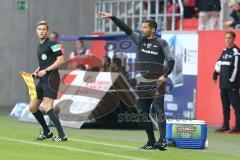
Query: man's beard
{"points": [[145, 35]]}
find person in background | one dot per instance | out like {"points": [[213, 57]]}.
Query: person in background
{"points": [[79, 49], [209, 11], [106, 64], [189, 8], [116, 66], [227, 68], [54, 38], [171, 9], [235, 23]]}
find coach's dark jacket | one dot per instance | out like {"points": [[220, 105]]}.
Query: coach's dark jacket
{"points": [[228, 66]]}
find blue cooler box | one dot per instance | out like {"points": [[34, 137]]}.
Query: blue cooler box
{"points": [[187, 134]]}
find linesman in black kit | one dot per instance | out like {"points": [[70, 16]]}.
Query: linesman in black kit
{"points": [[228, 69], [151, 49], [50, 58]]}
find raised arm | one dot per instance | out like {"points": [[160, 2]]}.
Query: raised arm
{"points": [[124, 27]]}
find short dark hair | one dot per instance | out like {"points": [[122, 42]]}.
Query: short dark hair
{"points": [[56, 34], [152, 23], [117, 61], [233, 34]]}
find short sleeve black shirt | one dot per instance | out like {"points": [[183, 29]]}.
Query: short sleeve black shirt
{"points": [[48, 52]]}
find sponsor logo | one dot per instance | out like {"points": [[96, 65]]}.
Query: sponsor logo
{"points": [[186, 129], [149, 45], [44, 57], [56, 47], [149, 52]]}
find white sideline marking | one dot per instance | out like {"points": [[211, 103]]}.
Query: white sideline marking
{"points": [[71, 149], [103, 143]]}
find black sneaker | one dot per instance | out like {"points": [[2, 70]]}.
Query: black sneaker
{"points": [[43, 136], [222, 129], [161, 145], [59, 139], [148, 146], [234, 130]]}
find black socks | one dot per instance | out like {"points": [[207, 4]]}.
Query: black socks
{"points": [[56, 122], [39, 116]]}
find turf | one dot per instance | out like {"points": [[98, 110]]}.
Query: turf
{"points": [[17, 142]]}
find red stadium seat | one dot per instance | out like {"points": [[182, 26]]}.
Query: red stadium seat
{"points": [[190, 24]]}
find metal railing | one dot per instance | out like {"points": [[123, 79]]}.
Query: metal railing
{"points": [[133, 12]]}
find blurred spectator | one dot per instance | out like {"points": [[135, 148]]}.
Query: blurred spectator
{"points": [[235, 6], [189, 8], [106, 64], [172, 8], [152, 6], [116, 66], [54, 37], [208, 14], [79, 49]]}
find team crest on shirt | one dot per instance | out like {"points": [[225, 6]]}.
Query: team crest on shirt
{"points": [[56, 47], [44, 57], [149, 45]]}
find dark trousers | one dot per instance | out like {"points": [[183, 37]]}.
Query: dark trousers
{"points": [[143, 106], [230, 97]]}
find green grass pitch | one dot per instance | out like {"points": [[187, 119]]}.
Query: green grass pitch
{"points": [[17, 142]]}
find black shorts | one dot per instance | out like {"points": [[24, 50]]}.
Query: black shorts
{"points": [[48, 86]]}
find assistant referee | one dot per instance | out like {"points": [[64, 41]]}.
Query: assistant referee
{"points": [[50, 58]]}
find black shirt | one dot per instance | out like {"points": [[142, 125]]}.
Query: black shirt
{"points": [[48, 52], [227, 67], [154, 50]]}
